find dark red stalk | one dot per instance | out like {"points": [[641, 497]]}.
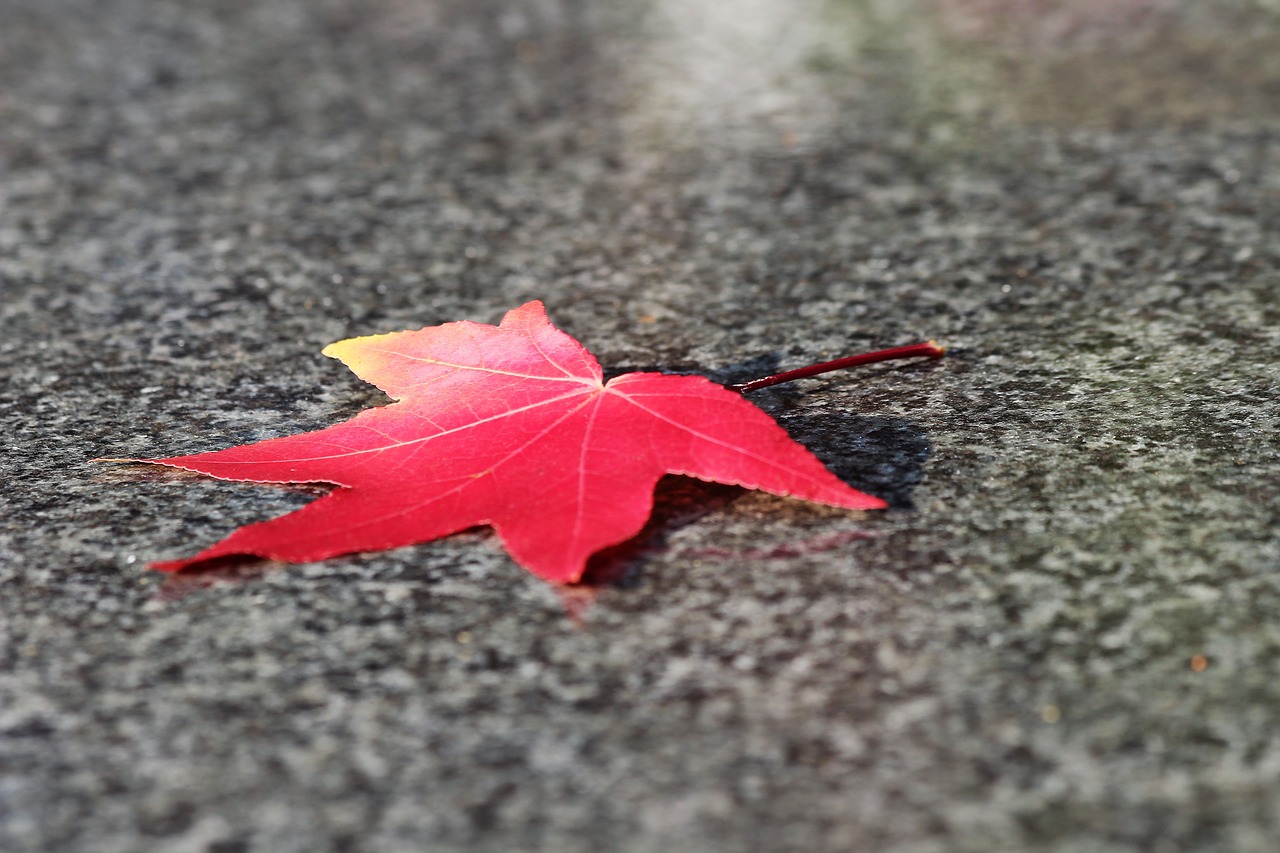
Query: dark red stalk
{"points": [[929, 350]]}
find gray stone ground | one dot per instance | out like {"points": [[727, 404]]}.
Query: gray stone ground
{"points": [[1082, 199]]}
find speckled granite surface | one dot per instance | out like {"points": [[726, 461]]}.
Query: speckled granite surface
{"points": [[1064, 637]]}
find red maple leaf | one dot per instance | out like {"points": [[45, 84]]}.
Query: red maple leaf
{"points": [[510, 426]]}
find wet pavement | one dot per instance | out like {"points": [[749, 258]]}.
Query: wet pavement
{"points": [[1064, 635]]}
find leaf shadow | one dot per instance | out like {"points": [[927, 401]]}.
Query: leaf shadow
{"points": [[677, 502], [883, 456], [234, 570]]}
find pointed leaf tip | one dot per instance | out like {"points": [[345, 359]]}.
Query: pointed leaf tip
{"points": [[532, 313]]}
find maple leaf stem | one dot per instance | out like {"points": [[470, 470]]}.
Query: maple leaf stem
{"points": [[930, 350]]}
